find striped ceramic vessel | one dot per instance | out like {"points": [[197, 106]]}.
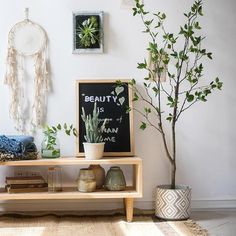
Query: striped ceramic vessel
{"points": [[173, 204]]}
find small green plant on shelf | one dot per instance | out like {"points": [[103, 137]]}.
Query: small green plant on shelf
{"points": [[88, 32], [50, 145], [94, 128]]}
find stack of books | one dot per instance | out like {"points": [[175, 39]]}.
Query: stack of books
{"points": [[26, 184]]}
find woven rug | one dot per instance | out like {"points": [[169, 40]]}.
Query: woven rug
{"points": [[52, 225]]}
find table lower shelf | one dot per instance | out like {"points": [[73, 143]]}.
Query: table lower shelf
{"points": [[70, 193]]}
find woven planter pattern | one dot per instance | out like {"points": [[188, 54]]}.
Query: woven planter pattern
{"points": [[172, 204]]}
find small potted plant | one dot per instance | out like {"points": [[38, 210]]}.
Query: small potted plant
{"points": [[181, 56], [94, 127], [50, 147]]}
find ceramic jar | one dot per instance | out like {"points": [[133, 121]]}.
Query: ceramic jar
{"points": [[99, 173], [86, 180], [115, 179]]}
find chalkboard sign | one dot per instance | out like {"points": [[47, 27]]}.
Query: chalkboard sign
{"points": [[112, 102]]}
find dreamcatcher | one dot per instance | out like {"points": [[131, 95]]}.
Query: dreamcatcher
{"points": [[27, 40]]}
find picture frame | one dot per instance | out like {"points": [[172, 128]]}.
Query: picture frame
{"points": [[84, 42], [124, 145]]}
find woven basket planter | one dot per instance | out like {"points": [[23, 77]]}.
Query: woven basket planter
{"points": [[172, 204]]}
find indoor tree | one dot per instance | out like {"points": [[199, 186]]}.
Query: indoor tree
{"points": [[181, 56]]}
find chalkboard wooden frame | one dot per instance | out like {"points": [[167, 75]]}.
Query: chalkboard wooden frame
{"points": [[131, 123]]}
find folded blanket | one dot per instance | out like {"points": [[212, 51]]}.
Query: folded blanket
{"points": [[10, 157], [17, 145]]}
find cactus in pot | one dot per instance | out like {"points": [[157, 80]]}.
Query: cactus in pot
{"points": [[94, 127]]}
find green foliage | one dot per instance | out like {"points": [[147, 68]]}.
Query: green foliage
{"points": [[184, 67], [94, 128], [88, 33], [50, 133], [187, 61]]}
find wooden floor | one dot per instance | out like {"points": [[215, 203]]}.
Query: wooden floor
{"points": [[218, 223]]}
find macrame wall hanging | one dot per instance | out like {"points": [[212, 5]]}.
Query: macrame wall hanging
{"points": [[27, 41]]}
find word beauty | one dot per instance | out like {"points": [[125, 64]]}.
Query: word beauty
{"points": [[107, 98]]}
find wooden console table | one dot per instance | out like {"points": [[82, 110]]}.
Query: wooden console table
{"points": [[128, 195]]}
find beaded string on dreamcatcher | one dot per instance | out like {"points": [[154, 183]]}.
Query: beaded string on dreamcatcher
{"points": [[26, 40]]}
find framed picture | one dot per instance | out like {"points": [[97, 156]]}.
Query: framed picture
{"points": [[112, 102], [87, 32]]}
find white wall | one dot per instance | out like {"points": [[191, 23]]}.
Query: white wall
{"points": [[206, 138]]}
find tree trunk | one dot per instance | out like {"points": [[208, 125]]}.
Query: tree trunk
{"points": [[173, 166], [173, 173]]}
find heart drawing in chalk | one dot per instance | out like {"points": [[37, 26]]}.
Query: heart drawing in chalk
{"points": [[119, 90], [121, 100]]}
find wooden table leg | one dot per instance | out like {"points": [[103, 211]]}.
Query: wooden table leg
{"points": [[129, 206]]}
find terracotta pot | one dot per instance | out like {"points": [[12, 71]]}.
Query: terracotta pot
{"points": [[86, 180], [173, 204], [99, 173], [93, 151]]}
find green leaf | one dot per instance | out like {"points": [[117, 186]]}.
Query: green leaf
{"points": [[75, 133], [128, 109], [163, 16], [132, 82], [170, 117], [148, 22], [67, 132], [170, 99], [209, 55], [147, 110], [54, 129], [143, 126], [118, 83], [59, 126], [136, 97], [207, 91], [197, 26], [156, 90], [142, 65], [190, 97], [200, 11], [55, 152]]}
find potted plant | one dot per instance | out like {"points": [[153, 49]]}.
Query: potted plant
{"points": [[94, 145], [180, 56], [50, 147]]}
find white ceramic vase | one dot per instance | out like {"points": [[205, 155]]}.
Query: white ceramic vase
{"points": [[93, 151]]}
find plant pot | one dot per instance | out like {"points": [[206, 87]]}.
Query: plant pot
{"points": [[173, 204], [86, 181], [115, 179], [93, 151], [99, 173]]}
